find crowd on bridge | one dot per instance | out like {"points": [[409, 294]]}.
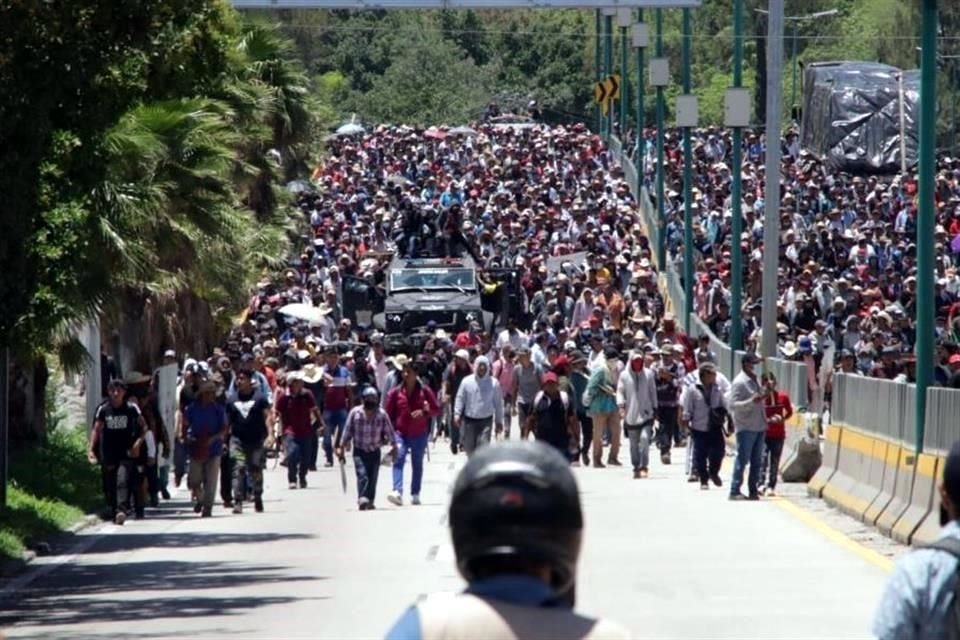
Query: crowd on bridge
{"points": [[847, 253], [586, 353]]}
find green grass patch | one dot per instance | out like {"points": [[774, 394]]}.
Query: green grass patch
{"points": [[51, 486]]}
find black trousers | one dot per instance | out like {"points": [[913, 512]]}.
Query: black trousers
{"points": [[586, 430], [669, 431], [708, 450], [771, 468], [226, 475], [121, 481]]}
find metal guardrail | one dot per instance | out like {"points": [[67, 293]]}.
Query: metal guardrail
{"points": [[871, 404]]}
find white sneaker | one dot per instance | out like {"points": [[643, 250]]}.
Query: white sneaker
{"points": [[415, 499], [394, 497]]}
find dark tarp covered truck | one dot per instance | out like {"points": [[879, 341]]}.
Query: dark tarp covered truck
{"points": [[852, 118], [417, 291]]}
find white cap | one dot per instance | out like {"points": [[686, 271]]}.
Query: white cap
{"points": [[462, 353]]}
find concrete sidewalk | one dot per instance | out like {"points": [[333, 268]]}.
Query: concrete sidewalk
{"points": [[661, 556]]}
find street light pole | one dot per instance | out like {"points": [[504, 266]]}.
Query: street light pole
{"points": [[641, 154], [623, 21], [608, 62], [661, 221], [926, 211], [597, 75], [771, 196], [736, 251], [687, 183]]}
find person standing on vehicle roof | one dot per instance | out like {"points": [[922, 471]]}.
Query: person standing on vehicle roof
{"points": [[922, 597]]}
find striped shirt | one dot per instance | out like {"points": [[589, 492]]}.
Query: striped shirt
{"points": [[367, 433]]}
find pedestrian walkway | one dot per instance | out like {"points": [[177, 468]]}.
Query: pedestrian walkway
{"points": [[661, 556]]}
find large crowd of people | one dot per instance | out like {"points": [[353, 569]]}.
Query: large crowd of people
{"points": [[847, 254], [588, 352]]}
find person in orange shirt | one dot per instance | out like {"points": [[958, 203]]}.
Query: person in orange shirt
{"points": [[612, 301]]}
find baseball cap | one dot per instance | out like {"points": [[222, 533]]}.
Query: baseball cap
{"points": [[462, 353], [954, 359], [548, 377], [169, 353]]}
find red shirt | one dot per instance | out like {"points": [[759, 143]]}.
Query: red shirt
{"points": [[295, 412], [400, 406], [777, 406]]}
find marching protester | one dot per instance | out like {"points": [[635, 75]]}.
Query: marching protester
{"points": [[368, 429], [204, 430], [410, 407], [637, 401], [601, 397], [249, 417], [478, 408], [115, 444], [704, 414], [746, 401], [552, 418], [297, 412]]}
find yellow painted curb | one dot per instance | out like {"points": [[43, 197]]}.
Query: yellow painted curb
{"points": [[865, 553]]}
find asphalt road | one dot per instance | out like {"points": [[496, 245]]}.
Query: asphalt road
{"points": [[661, 556]]}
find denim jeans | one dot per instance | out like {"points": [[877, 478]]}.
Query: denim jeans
{"points": [[417, 446], [749, 452], [298, 457], [367, 466], [333, 422], [639, 447]]}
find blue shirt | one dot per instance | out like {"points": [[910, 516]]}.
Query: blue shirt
{"points": [[917, 599], [207, 421], [524, 591]]}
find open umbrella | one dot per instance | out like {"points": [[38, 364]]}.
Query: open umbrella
{"points": [[350, 129], [306, 312], [463, 131], [435, 133]]}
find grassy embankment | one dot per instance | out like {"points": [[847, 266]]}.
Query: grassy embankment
{"points": [[51, 487]]}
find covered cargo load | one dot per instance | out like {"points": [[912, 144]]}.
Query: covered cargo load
{"points": [[851, 117]]}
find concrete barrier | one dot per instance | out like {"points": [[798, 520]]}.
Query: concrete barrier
{"points": [[902, 492], [850, 489], [794, 429], [888, 484], [831, 451], [929, 529], [921, 498]]}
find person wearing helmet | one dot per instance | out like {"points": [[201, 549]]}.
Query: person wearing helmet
{"points": [[517, 527], [368, 427]]}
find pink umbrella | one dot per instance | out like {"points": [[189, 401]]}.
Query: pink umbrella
{"points": [[435, 133]]}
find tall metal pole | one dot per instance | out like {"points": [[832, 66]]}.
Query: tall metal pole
{"points": [[597, 75], [624, 83], [661, 221], [687, 183], [641, 115], [925, 217], [771, 196], [608, 64], [736, 252]]}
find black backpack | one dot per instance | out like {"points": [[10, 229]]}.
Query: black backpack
{"points": [[952, 546]]}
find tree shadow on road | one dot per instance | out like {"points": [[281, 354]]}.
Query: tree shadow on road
{"points": [[83, 593], [118, 542]]}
